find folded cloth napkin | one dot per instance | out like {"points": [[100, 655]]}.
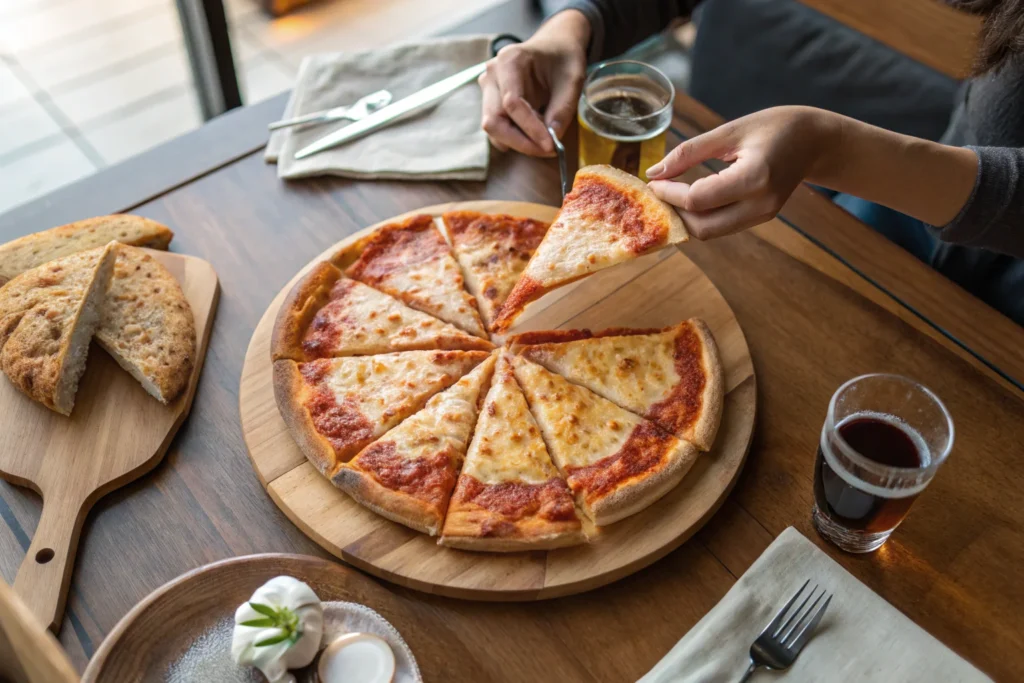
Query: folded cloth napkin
{"points": [[861, 637], [444, 143]]}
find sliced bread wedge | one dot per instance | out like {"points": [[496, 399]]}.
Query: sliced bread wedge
{"points": [[47, 318]]}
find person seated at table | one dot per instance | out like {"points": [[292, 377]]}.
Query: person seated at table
{"points": [[957, 206]]}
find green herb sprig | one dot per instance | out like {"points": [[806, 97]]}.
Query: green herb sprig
{"points": [[282, 618]]}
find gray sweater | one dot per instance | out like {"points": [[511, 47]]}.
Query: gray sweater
{"points": [[989, 118]]}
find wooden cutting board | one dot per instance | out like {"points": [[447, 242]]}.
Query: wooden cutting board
{"points": [[116, 433], [657, 290]]}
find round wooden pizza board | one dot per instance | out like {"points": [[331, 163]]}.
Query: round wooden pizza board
{"points": [[656, 290]]}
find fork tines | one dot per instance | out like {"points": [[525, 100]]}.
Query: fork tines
{"points": [[798, 627]]}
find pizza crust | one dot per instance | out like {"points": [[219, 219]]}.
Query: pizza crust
{"points": [[642, 492], [289, 392], [705, 429], [298, 310], [410, 511]]}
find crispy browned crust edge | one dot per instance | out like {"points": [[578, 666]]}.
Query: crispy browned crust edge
{"points": [[643, 491], [308, 296], [705, 429], [394, 505], [676, 228], [462, 530], [288, 391]]}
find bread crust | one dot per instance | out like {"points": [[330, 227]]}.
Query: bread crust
{"points": [[410, 511], [298, 310], [463, 529], [676, 228], [289, 392], [705, 429], [33, 250], [637, 494]]}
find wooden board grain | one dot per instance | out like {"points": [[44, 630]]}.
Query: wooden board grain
{"points": [[116, 434], [183, 617], [654, 291]]}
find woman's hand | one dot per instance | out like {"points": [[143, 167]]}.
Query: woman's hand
{"points": [[770, 152], [536, 84]]}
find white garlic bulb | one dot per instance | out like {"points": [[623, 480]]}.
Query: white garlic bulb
{"points": [[279, 628]]}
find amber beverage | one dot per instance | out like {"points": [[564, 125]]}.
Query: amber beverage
{"points": [[624, 113]]}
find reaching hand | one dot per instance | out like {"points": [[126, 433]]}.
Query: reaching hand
{"points": [[770, 151], [534, 84]]}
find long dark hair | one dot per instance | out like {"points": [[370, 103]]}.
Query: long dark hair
{"points": [[1002, 31]]}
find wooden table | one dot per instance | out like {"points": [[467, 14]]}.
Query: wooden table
{"points": [[819, 302]]}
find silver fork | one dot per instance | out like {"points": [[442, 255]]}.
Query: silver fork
{"points": [[781, 641]]}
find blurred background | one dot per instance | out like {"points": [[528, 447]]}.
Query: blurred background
{"points": [[87, 83]]}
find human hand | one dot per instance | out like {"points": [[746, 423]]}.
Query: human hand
{"points": [[535, 84], [770, 153]]}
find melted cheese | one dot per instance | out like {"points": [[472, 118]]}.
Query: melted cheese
{"points": [[635, 371], [416, 266], [361, 320], [386, 389], [580, 427], [507, 444], [446, 422]]}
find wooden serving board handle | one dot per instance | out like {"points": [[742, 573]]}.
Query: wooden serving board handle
{"points": [[45, 574]]}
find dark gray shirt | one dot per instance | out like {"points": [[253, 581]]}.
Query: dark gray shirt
{"points": [[989, 118]]}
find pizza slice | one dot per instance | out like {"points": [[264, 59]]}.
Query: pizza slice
{"points": [[673, 376], [328, 315], [335, 407], [412, 262], [609, 217], [493, 250], [509, 496], [408, 474], [48, 315], [615, 462]]}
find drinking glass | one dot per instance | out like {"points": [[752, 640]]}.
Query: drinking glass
{"points": [[624, 111], [884, 438]]}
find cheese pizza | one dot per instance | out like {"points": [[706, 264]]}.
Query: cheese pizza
{"points": [[493, 249], [615, 462], [411, 261], [673, 377], [409, 473], [609, 217], [335, 407], [328, 315], [509, 496]]}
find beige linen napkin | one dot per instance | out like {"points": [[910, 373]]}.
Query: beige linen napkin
{"points": [[444, 143], [861, 637]]}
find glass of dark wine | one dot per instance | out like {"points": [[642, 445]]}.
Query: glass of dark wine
{"points": [[884, 438]]}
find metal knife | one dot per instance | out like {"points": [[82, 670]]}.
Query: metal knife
{"points": [[404, 108]]}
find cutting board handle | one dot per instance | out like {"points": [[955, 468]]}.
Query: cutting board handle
{"points": [[45, 573]]}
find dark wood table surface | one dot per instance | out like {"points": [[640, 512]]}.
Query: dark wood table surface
{"points": [[819, 296]]}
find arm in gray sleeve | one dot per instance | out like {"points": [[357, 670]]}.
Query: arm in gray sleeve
{"points": [[617, 25], [993, 217]]}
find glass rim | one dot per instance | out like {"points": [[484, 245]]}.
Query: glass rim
{"points": [[878, 468], [617, 62]]}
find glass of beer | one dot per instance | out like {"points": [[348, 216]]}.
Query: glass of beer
{"points": [[884, 438], [624, 111]]}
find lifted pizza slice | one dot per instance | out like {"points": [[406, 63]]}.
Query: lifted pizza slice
{"points": [[335, 407], [409, 473], [673, 376], [411, 261], [609, 217], [509, 496], [615, 462], [327, 315], [493, 249]]}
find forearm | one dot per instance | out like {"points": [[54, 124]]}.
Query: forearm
{"points": [[617, 25], [920, 178]]}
